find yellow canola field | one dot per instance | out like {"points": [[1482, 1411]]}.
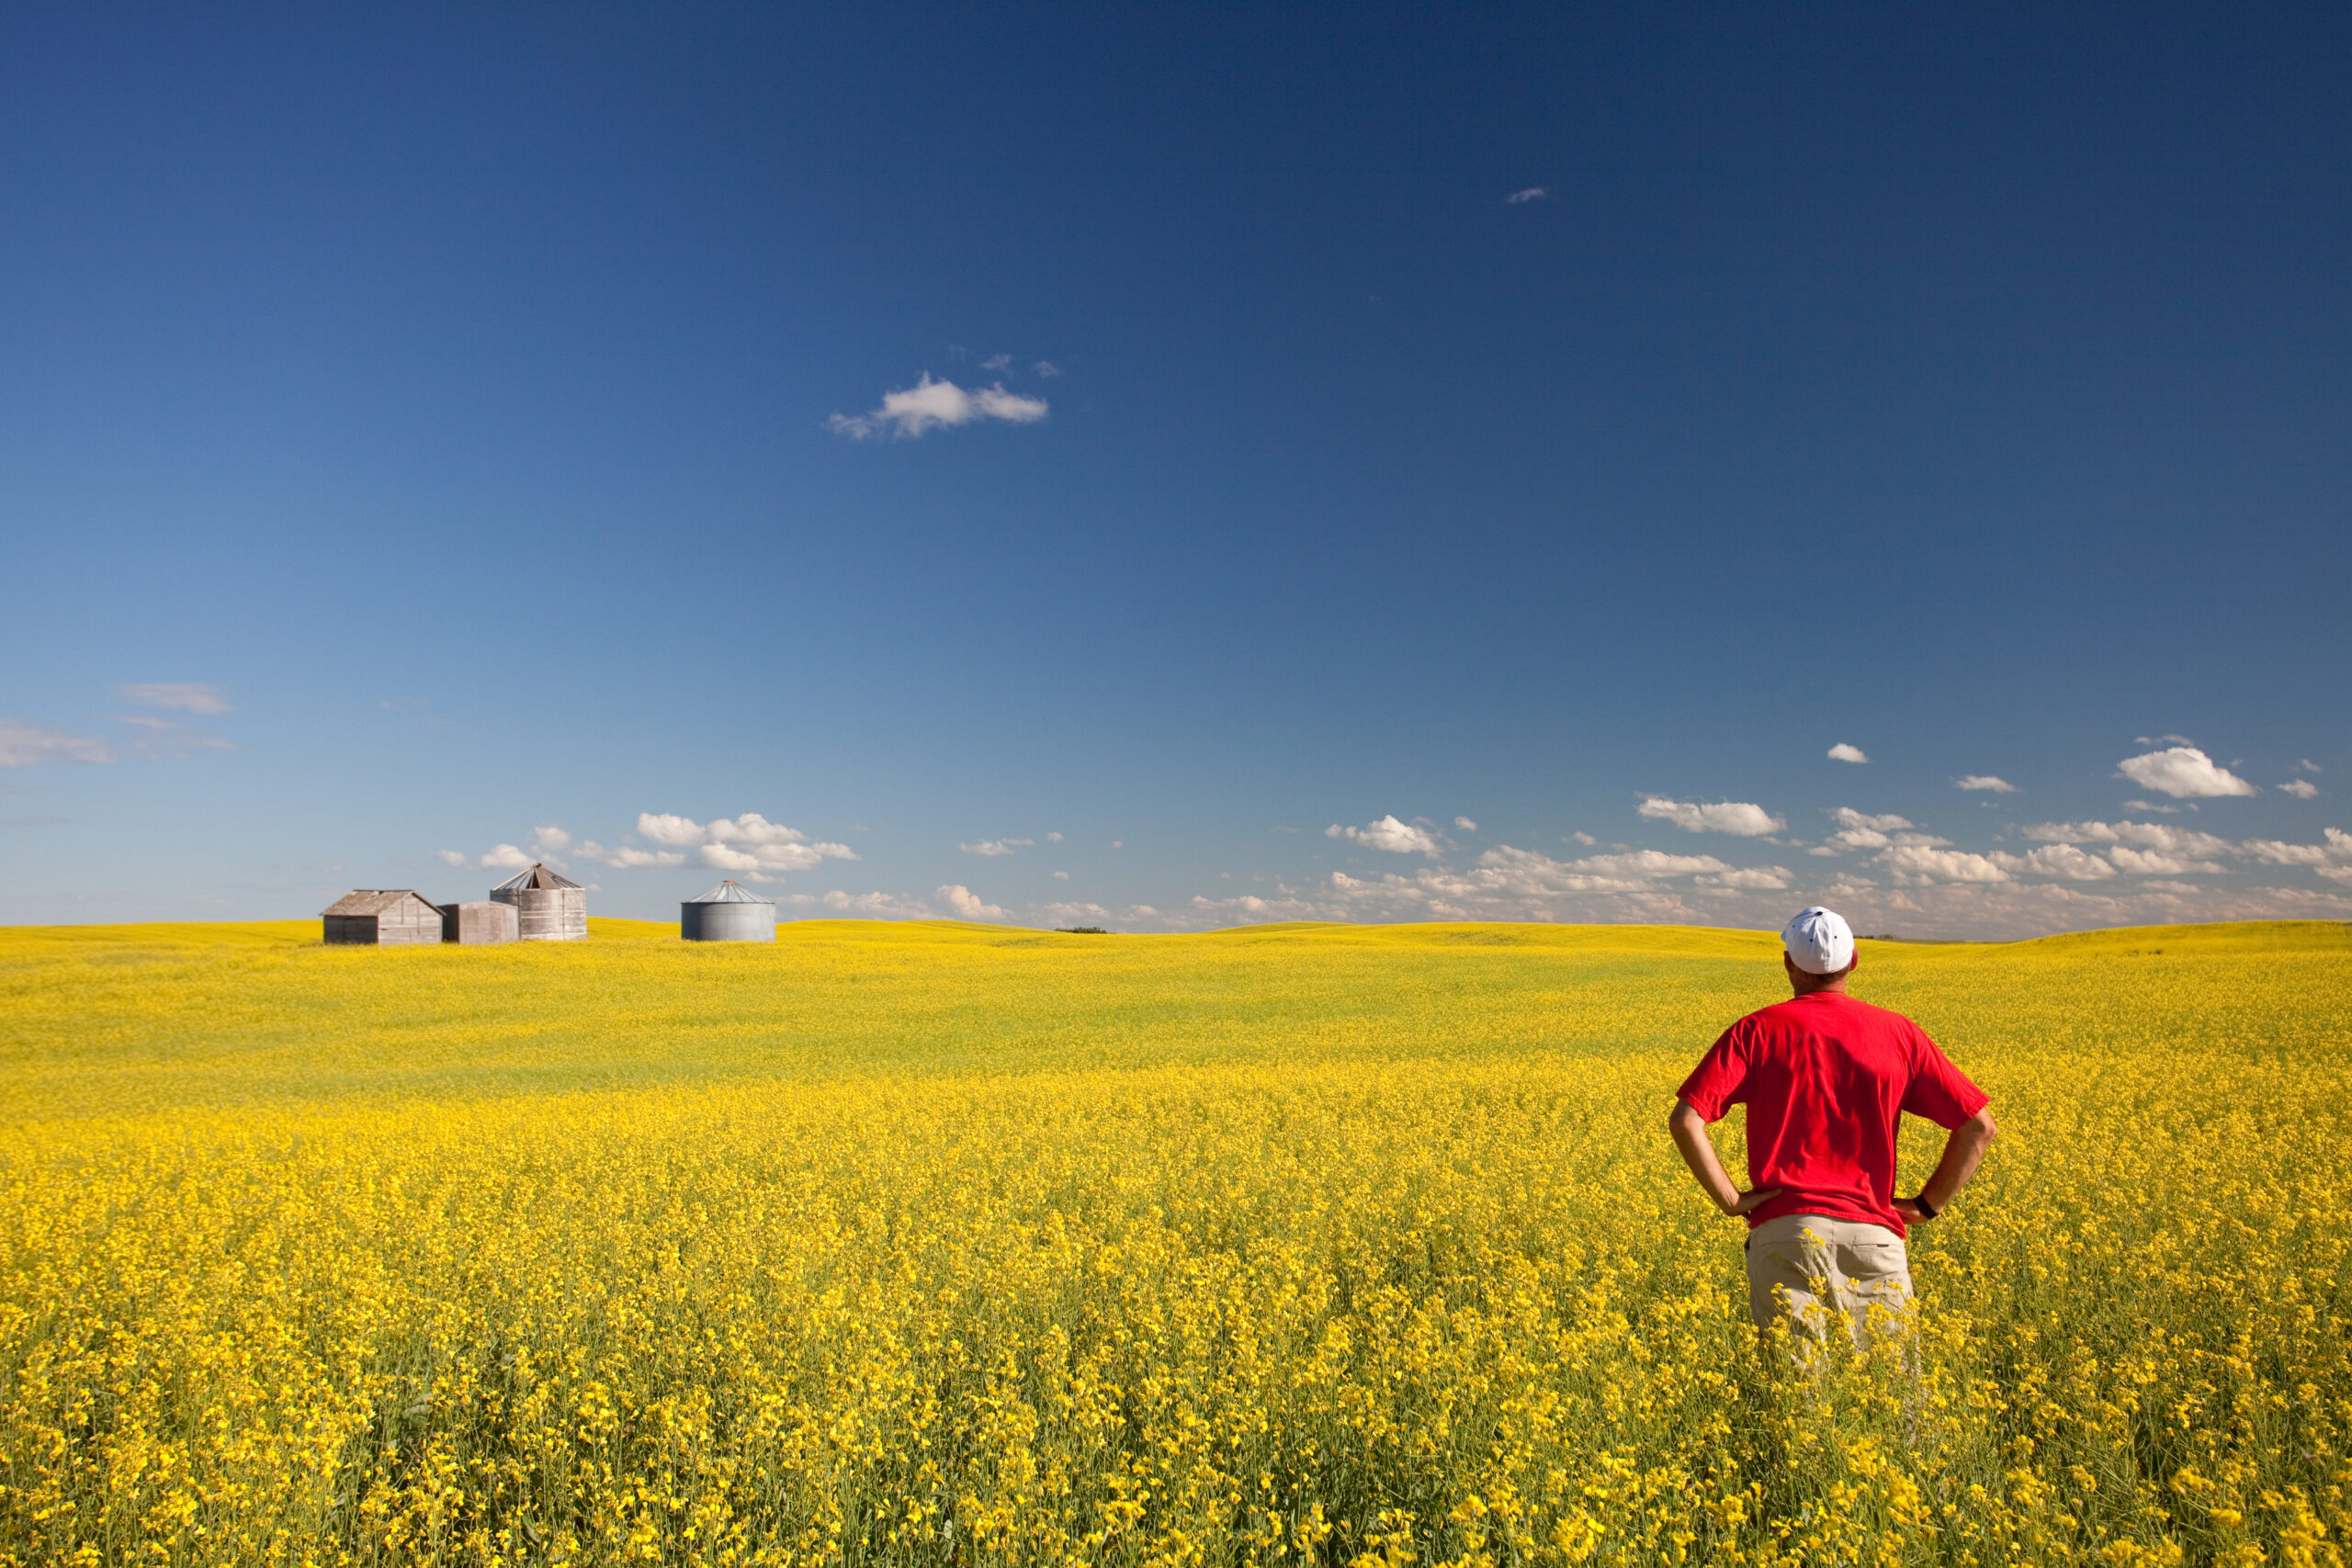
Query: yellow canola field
{"points": [[942, 1244]]}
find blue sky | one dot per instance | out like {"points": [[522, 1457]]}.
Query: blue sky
{"points": [[926, 431]]}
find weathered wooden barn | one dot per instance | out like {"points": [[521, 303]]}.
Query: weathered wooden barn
{"points": [[548, 906], [474, 924], [382, 916]]}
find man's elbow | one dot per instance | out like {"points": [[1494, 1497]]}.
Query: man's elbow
{"points": [[1682, 1115], [1982, 1126]]}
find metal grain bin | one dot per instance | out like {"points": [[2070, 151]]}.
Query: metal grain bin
{"points": [[728, 913], [479, 922], [548, 906]]}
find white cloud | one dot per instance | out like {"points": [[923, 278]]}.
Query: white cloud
{"points": [[1053, 838], [2182, 771], [2156, 863], [1922, 887], [1858, 831], [2309, 766], [2302, 789], [2162, 836], [627, 857], [1396, 838], [549, 842], [2332, 859], [506, 857], [453, 857], [2271, 852], [2056, 859], [1061, 876], [1072, 914], [1984, 782], [1582, 838], [1925, 888], [2152, 809], [753, 828], [1001, 363], [187, 696], [170, 737], [1644, 865], [935, 405], [966, 904], [1751, 879], [1519, 876], [738, 844], [2012, 910], [1915, 864], [1046, 369], [23, 745], [167, 737], [873, 906], [1521, 198], [1466, 824], [1841, 752], [996, 846], [1251, 910], [1733, 816]]}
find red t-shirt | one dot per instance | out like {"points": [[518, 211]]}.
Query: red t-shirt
{"points": [[1825, 1078]]}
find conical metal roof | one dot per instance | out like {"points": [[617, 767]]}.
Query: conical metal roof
{"points": [[537, 876], [729, 892]]}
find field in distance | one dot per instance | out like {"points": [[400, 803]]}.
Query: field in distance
{"points": [[941, 1243]]}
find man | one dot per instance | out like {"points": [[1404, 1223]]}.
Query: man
{"points": [[1825, 1078]]}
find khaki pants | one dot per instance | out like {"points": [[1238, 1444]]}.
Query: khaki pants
{"points": [[1806, 1265]]}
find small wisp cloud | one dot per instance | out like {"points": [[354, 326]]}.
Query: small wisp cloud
{"points": [[23, 745], [187, 697], [1842, 753], [930, 405]]}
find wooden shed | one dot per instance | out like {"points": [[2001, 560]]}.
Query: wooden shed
{"points": [[382, 916], [548, 906], [479, 922]]}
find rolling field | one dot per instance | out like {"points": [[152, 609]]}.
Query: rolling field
{"points": [[932, 1244]]}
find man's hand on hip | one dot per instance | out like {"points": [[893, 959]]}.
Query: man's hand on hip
{"points": [[1749, 1202]]}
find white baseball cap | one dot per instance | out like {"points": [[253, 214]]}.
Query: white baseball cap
{"points": [[1819, 940]]}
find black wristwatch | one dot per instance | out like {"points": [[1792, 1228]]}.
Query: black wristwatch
{"points": [[1926, 1208]]}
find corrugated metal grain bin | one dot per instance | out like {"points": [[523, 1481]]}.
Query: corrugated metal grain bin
{"points": [[382, 916], [548, 906], [728, 913], [485, 921]]}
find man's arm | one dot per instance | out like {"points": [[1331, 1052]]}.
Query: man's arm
{"points": [[1964, 1152], [1698, 1153]]}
